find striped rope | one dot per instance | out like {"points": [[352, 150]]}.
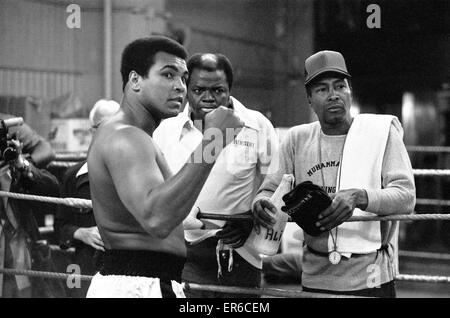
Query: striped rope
{"points": [[69, 159], [275, 292], [435, 202], [422, 278], [83, 203], [400, 217], [70, 156], [79, 156], [425, 255], [73, 202], [61, 164], [51, 275], [428, 149], [224, 217], [228, 289], [61, 157], [431, 172], [45, 230], [416, 172]]}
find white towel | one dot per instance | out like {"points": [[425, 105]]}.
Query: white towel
{"points": [[361, 165]]}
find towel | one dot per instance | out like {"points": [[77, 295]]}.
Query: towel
{"points": [[361, 166]]}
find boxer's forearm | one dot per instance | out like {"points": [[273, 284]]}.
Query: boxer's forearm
{"points": [[172, 202]]}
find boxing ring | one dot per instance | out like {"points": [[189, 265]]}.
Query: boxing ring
{"points": [[67, 160]]}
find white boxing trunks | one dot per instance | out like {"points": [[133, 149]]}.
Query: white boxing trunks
{"points": [[121, 286]]}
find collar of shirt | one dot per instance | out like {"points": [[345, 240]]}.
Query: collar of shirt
{"points": [[83, 170], [185, 124]]}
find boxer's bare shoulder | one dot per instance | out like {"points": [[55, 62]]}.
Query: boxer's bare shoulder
{"points": [[124, 165]]}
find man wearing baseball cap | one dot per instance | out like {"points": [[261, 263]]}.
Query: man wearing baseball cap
{"points": [[363, 165]]}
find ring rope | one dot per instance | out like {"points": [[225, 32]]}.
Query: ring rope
{"points": [[80, 156], [43, 274], [433, 202], [73, 202], [425, 255], [62, 164], [428, 149], [431, 172], [187, 286], [70, 156], [399, 217], [224, 289], [416, 172], [423, 278], [67, 160], [230, 289], [83, 203]]}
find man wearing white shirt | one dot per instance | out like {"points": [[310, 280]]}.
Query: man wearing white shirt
{"points": [[232, 183]]}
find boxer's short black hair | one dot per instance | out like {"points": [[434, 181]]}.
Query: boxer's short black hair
{"points": [[139, 55]]}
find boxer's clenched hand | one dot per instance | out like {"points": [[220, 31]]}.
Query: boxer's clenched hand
{"points": [[225, 121]]}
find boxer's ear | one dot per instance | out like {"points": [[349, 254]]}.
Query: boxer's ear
{"points": [[134, 80]]}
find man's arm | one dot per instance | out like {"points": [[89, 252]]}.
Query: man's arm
{"points": [[398, 195], [35, 146], [65, 218], [64, 224], [268, 148], [160, 205], [39, 182], [282, 164]]}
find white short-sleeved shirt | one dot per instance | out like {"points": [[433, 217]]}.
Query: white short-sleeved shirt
{"points": [[237, 173]]}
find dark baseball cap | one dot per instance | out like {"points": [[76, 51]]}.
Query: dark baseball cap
{"points": [[324, 61]]}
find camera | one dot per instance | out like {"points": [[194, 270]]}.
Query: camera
{"points": [[8, 153]]}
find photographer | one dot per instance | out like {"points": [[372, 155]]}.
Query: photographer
{"points": [[23, 155]]}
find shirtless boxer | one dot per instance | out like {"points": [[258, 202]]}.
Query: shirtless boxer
{"points": [[138, 204]]}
